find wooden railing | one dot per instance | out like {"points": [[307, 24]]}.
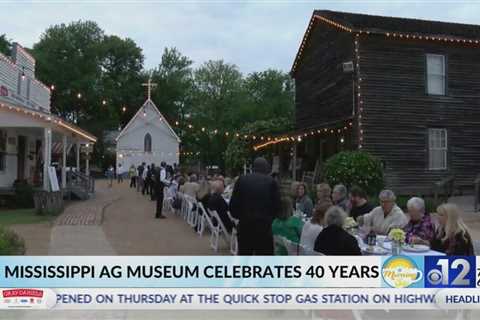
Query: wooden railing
{"points": [[79, 179]]}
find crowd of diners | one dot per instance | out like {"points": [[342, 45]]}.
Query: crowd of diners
{"points": [[261, 212], [323, 230]]}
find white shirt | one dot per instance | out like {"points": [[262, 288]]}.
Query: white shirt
{"points": [[381, 224], [310, 233]]}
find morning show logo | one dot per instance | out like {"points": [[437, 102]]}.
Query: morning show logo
{"points": [[401, 272]]}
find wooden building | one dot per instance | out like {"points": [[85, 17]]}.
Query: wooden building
{"points": [[405, 90]]}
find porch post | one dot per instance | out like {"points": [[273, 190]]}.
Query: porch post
{"points": [[87, 161], [47, 149], [64, 162], [78, 155], [294, 160]]}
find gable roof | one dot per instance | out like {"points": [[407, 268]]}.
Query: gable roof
{"points": [[392, 26], [152, 104]]}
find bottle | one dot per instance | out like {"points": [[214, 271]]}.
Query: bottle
{"points": [[371, 239]]}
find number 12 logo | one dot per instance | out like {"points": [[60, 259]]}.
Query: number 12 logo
{"points": [[450, 272]]}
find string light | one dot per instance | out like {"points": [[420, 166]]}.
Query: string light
{"points": [[50, 118], [52, 87], [79, 95], [104, 102], [360, 98], [401, 35], [124, 109]]}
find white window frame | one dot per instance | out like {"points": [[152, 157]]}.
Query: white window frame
{"points": [[435, 146], [437, 75]]}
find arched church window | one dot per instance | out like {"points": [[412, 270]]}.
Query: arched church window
{"points": [[147, 143]]}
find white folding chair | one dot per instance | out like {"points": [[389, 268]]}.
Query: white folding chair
{"points": [[305, 251], [234, 235], [293, 248], [218, 231], [205, 220]]}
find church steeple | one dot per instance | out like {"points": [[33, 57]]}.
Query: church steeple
{"points": [[149, 86]]}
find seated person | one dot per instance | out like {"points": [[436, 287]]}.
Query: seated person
{"points": [[286, 225], [324, 192], [339, 197], [302, 200], [334, 240], [217, 202], [314, 226], [359, 202], [453, 237], [420, 229], [384, 217]]}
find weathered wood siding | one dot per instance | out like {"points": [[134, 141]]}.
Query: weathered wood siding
{"points": [[398, 112], [323, 91]]}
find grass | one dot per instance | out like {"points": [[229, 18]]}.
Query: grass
{"points": [[21, 216]]}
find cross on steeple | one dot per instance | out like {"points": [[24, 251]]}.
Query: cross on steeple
{"points": [[149, 86]]}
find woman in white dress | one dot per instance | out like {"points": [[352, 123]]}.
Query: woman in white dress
{"points": [[312, 228]]}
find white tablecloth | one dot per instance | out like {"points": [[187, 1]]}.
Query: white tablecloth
{"points": [[388, 245]]}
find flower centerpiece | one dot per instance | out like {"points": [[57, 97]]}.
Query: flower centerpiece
{"points": [[350, 224], [397, 236]]}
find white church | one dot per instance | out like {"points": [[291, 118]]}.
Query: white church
{"points": [[147, 138]]}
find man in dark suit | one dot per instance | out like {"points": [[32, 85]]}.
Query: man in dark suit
{"points": [[334, 240], [255, 202]]}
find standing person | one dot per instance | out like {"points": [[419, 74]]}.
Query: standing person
{"points": [[110, 175], [359, 201], [132, 172], [140, 180], [145, 185], [256, 202], [302, 200], [153, 182], [120, 172], [453, 236], [160, 177]]}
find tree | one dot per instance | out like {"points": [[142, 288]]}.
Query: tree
{"points": [[5, 45], [218, 94], [75, 50], [271, 94], [95, 76], [173, 94]]}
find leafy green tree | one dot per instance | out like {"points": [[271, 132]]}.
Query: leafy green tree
{"points": [[270, 93], [5, 45], [218, 95], [94, 75], [174, 78]]}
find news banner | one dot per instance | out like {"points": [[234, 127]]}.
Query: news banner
{"points": [[235, 282]]}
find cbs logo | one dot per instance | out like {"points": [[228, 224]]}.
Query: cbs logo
{"points": [[451, 272]]}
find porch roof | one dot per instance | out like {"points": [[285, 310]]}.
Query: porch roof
{"points": [[325, 128], [44, 119]]}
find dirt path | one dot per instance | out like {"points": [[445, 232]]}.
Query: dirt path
{"points": [[131, 228]]}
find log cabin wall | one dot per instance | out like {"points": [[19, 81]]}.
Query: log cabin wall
{"points": [[398, 111], [323, 91]]}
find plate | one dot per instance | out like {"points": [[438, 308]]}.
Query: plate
{"points": [[384, 238], [375, 250], [416, 248]]}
